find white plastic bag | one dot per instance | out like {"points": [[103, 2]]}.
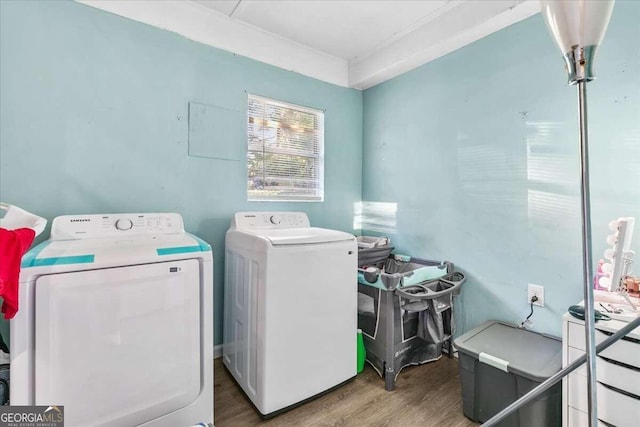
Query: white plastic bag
{"points": [[19, 218]]}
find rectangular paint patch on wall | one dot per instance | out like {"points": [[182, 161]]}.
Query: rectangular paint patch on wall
{"points": [[216, 132]]}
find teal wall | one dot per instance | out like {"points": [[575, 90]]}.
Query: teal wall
{"points": [[479, 150], [94, 119]]}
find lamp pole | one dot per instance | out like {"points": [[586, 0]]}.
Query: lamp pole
{"points": [[578, 27], [587, 265]]}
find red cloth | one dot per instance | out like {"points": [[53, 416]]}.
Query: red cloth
{"points": [[13, 244]]}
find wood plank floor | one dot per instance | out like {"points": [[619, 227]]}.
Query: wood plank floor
{"points": [[425, 395]]}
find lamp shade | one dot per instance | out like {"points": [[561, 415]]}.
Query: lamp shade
{"points": [[577, 27], [577, 22]]}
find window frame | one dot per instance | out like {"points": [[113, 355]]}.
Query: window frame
{"points": [[317, 152]]}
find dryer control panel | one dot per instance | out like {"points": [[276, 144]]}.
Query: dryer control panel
{"points": [[111, 225], [248, 220]]}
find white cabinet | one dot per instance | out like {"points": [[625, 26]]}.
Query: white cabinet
{"points": [[617, 372]]}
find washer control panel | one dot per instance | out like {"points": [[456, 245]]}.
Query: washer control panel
{"points": [[247, 220], [91, 226]]}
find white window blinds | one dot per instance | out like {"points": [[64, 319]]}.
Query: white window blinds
{"points": [[285, 152]]}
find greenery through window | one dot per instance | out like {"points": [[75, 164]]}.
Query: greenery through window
{"points": [[286, 151]]}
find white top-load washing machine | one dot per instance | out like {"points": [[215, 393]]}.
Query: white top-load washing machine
{"points": [[290, 309], [116, 323]]}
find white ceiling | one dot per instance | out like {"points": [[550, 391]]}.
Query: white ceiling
{"points": [[350, 43], [346, 29]]}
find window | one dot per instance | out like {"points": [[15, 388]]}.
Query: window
{"points": [[286, 151]]}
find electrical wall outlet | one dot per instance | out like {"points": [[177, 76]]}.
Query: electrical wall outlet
{"points": [[537, 291]]}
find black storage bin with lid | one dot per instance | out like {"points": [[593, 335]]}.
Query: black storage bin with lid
{"points": [[499, 363]]}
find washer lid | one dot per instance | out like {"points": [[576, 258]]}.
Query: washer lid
{"points": [[301, 236]]}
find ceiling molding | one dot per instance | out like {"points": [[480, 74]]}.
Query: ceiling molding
{"points": [[458, 27], [207, 26], [451, 27]]}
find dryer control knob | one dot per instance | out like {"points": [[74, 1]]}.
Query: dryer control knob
{"points": [[275, 219], [124, 224]]}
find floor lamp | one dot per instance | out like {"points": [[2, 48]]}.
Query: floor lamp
{"points": [[578, 27]]}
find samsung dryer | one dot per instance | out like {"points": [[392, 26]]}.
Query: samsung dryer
{"points": [[290, 308], [116, 323]]}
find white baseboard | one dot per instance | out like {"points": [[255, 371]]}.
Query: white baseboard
{"points": [[217, 351]]}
